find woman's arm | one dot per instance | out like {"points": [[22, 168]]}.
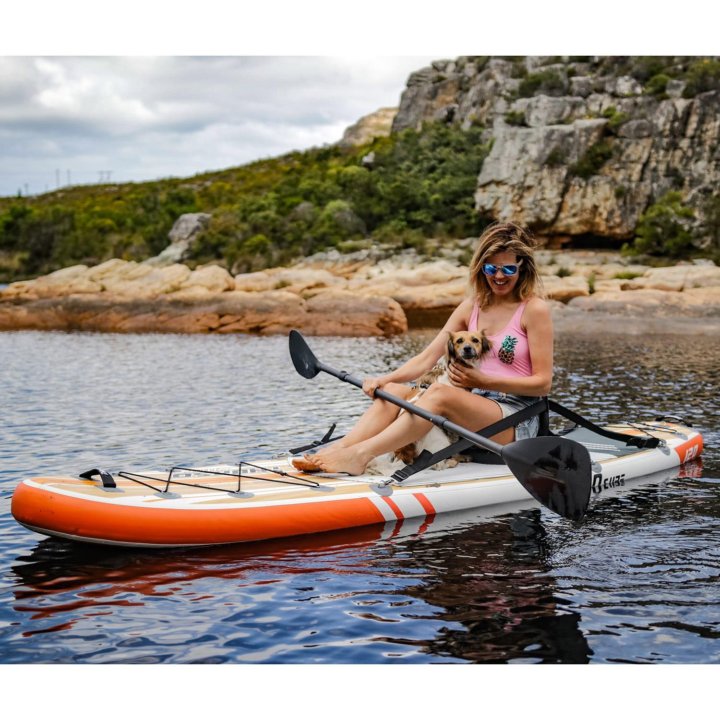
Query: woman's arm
{"points": [[539, 329], [422, 362]]}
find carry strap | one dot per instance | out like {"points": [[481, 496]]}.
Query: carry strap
{"points": [[107, 479]]}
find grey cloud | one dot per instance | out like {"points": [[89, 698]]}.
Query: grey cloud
{"points": [[159, 116]]}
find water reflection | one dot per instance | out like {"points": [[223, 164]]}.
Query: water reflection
{"points": [[494, 579], [481, 587]]}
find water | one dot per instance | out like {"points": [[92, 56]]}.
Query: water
{"points": [[635, 583]]}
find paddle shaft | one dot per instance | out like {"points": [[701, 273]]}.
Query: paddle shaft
{"points": [[438, 420]]}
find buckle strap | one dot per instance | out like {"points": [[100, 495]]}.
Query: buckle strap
{"points": [[316, 443], [426, 459]]}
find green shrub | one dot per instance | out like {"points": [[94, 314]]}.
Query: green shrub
{"points": [[563, 272], [337, 222], [711, 225], [515, 117], [299, 203], [557, 156], [615, 118], [646, 67], [592, 277], [627, 275], [663, 228], [593, 159], [702, 75], [545, 82], [480, 62], [657, 86]]}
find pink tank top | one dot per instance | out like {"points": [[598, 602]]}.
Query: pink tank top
{"points": [[510, 353]]}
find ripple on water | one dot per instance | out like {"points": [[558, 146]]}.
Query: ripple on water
{"points": [[635, 582]]}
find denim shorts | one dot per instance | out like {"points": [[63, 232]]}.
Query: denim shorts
{"points": [[510, 404]]}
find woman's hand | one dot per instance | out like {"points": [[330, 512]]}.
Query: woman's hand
{"points": [[465, 376], [371, 384]]}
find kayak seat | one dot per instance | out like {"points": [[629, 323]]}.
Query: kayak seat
{"points": [[473, 453], [541, 409]]}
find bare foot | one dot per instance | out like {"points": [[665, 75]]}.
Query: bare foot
{"points": [[350, 460], [306, 463]]}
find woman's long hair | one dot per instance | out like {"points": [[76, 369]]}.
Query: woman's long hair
{"points": [[501, 237]]}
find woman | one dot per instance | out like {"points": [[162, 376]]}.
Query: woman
{"points": [[506, 304]]}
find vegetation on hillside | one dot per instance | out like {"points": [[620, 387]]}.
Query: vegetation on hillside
{"points": [[663, 228], [402, 189]]}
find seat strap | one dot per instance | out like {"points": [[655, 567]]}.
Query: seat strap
{"points": [[638, 441], [427, 459]]}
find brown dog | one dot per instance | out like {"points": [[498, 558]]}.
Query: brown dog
{"points": [[465, 348]]}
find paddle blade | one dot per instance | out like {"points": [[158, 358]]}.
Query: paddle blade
{"points": [[302, 356], [556, 471]]}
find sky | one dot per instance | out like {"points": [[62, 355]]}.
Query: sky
{"points": [[72, 120], [152, 89]]}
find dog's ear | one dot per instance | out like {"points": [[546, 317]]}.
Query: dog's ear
{"points": [[486, 344], [451, 347], [406, 454]]}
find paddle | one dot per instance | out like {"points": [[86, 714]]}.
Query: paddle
{"points": [[556, 471]]}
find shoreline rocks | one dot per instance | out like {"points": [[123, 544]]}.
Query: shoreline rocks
{"points": [[360, 296]]}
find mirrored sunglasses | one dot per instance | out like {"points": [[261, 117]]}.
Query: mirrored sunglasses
{"points": [[489, 269]]}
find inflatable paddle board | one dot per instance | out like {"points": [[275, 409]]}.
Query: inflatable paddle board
{"points": [[268, 498]]}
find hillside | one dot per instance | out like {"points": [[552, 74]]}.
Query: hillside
{"points": [[597, 152], [400, 189]]}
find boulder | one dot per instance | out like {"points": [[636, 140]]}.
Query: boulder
{"points": [[357, 296], [564, 289], [677, 278], [160, 281], [198, 311], [696, 302], [181, 235], [67, 281], [293, 279], [338, 312], [212, 278]]}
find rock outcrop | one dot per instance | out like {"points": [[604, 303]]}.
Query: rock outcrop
{"points": [[369, 127], [185, 229], [355, 295], [120, 296], [577, 149]]}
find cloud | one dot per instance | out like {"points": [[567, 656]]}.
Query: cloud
{"points": [[150, 117]]}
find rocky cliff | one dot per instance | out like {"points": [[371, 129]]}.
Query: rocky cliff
{"points": [[581, 147], [368, 127]]}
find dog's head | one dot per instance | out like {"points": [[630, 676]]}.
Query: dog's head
{"points": [[467, 347]]}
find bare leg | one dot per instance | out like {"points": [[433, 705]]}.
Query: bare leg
{"points": [[374, 420], [456, 404]]}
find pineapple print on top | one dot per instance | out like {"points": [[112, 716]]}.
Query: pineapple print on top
{"points": [[507, 351]]}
